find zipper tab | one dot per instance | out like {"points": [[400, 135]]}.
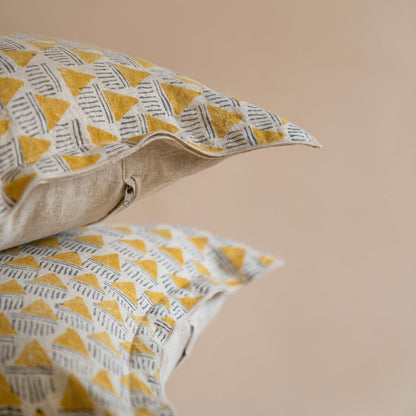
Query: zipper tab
{"points": [[129, 193]]}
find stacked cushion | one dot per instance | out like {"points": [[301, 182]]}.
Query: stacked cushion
{"points": [[94, 320], [85, 132]]}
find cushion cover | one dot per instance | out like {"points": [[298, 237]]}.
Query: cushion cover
{"points": [[84, 132], [94, 320]]}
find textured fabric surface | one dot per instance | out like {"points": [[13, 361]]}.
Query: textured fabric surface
{"points": [[66, 109], [93, 320]]}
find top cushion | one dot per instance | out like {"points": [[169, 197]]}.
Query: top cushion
{"points": [[84, 132]]}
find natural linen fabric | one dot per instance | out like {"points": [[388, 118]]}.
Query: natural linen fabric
{"points": [[72, 116], [94, 320]]}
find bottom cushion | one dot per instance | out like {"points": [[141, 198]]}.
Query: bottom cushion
{"points": [[94, 320]]}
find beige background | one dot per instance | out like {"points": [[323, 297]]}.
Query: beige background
{"points": [[334, 333]]}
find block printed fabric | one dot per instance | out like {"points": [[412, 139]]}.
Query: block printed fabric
{"points": [[85, 316], [66, 108]]}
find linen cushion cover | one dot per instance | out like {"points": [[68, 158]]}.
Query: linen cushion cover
{"points": [[93, 320], [84, 132]]}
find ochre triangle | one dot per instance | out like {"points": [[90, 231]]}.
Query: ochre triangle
{"points": [[149, 266], [101, 379], [223, 120], [33, 148], [199, 242], [133, 76], [78, 306], [7, 397], [93, 239], [154, 124], [141, 320], [143, 63], [111, 306], [8, 88], [266, 136], [4, 124], [266, 260], [68, 257], [162, 232], [137, 244], [101, 137], [41, 45], [201, 268], [12, 287], [16, 188], [71, 339], [138, 347], [111, 260], [128, 288], [88, 57], [52, 108], [181, 282], [22, 58], [179, 97], [28, 261], [41, 308], [50, 279], [175, 253], [76, 81], [236, 255], [155, 297], [189, 302], [89, 279], [6, 328], [119, 104], [76, 396], [105, 339], [158, 298], [33, 355], [169, 320], [133, 383], [80, 162], [48, 242]]}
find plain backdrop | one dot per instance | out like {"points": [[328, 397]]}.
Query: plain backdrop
{"points": [[334, 332]]}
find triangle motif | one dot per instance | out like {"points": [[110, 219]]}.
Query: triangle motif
{"points": [[80, 162], [101, 137], [179, 97], [119, 104], [76, 396], [223, 120], [33, 355], [76, 81], [15, 189], [8, 88], [52, 108], [22, 58], [133, 76], [33, 148]]}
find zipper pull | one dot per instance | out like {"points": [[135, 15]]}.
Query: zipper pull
{"points": [[129, 193]]}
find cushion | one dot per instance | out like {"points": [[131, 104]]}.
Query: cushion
{"points": [[84, 132], [95, 319]]}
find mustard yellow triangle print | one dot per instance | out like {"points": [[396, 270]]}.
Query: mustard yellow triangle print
{"points": [[52, 108], [33, 148], [8, 88]]}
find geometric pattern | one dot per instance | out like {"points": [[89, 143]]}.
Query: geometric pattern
{"points": [[85, 315], [66, 108]]}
